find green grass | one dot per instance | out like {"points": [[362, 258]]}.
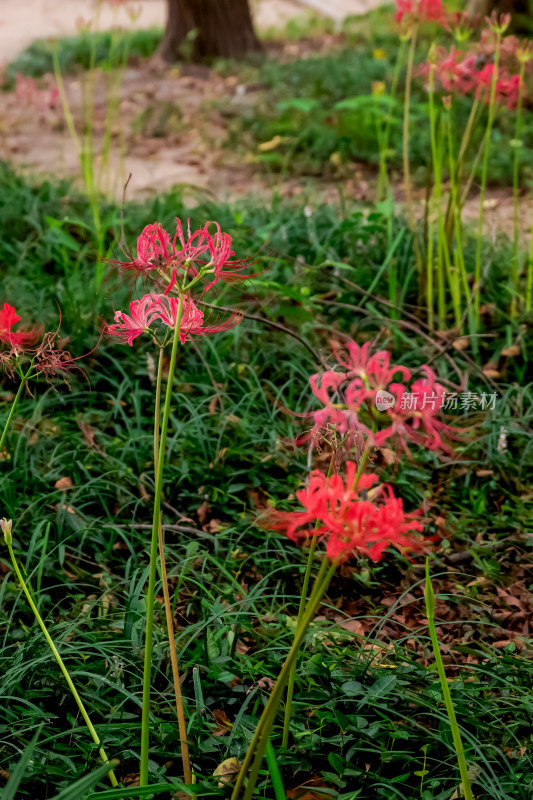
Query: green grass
{"points": [[74, 52], [365, 720]]}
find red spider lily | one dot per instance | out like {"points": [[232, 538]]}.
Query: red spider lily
{"points": [[367, 401], [508, 88], [21, 339], [415, 416], [349, 522], [192, 320], [343, 393], [154, 307], [455, 71], [170, 261], [142, 314], [420, 11]]}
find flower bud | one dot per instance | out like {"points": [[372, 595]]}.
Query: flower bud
{"points": [[6, 525]]}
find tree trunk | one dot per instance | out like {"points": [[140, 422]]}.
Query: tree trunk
{"points": [[222, 29], [180, 22]]}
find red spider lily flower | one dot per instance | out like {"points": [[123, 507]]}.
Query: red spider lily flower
{"points": [[455, 71], [415, 416], [142, 314], [21, 339], [169, 260], [343, 393], [350, 523], [161, 307], [192, 320], [420, 11], [509, 90]]}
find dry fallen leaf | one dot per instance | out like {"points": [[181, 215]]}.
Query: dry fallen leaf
{"points": [[224, 723], [227, 771], [202, 512], [461, 343], [63, 484], [513, 350]]}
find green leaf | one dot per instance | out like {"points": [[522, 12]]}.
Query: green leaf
{"points": [[10, 790], [304, 104], [352, 687], [78, 789], [382, 686], [143, 791]]}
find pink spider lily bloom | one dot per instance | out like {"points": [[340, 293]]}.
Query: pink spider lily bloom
{"points": [[509, 90], [169, 261], [192, 319], [416, 416], [343, 393], [142, 313], [420, 11], [353, 520], [22, 339], [457, 72]]}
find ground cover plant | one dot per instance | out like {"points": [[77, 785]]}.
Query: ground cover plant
{"points": [[264, 496]]}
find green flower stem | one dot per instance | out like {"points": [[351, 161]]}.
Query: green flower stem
{"points": [[182, 725], [529, 282], [484, 176], [407, 104], [515, 271], [456, 175], [150, 594], [257, 747], [61, 663], [383, 141], [456, 733], [12, 409], [301, 610], [455, 207]]}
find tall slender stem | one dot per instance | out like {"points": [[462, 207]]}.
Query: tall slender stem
{"points": [[150, 594], [456, 733], [182, 725], [484, 175], [12, 410], [406, 111], [515, 271], [61, 663], [301, 610], [406, 167], [256, 749]]}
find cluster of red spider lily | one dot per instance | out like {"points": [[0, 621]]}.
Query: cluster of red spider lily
{"points": [[352, 516], [32, 345], [364, 399], [458, 73], [176, 265], [413, 12], [379, 400]]}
